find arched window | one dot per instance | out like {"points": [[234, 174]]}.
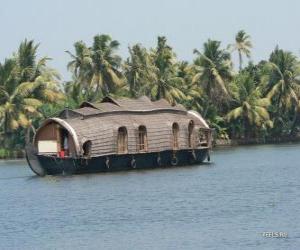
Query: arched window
{"points": [[87, 148], [190, 136], [122, 140], [142, 143], [175, 130]]}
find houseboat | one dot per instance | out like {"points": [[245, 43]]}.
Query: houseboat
{"points": [[119, 134]]}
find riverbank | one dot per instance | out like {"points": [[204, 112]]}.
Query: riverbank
{"points": [[255, 141], [11, 154], [19, 154]]}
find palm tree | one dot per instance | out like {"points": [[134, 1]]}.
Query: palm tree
{"points": [[283, 85], [166, 84], [213, 71], [75, 93], [250, 108], [19, 101], [18, 107], [194, 96], [138, 70], [97, 68], [106, 64], [26, 58], [81, 65], [242, 45]]}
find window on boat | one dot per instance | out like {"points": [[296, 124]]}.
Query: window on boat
{"points": [[87, 148], [190, 136], [203, 138], [122, 140], [175, 129], [142, 145]]}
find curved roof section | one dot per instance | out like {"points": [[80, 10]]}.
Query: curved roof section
{"points": [[143, 103], [99, 123], [102, 131]]}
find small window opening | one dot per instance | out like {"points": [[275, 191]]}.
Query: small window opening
{"points": [[87, 148], [142, 145], [190, 136], [122, 140], [175, 130]]}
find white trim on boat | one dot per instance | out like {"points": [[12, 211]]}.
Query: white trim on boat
{"points": [[68, 127], [199, 117]]}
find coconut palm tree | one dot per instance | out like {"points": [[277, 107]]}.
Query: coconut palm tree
{"points": [[97, 68], [213, 71], [166, 84], [81, 64], [283, 87], [250, 109], [138, 70], [283, 82], [242, 45], [26, 59], [106, 64], [75, 93], [194, 96], [18, 107], [20, 101]]}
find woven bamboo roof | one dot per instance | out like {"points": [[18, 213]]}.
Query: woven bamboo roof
{"points": [[125, 104], [99, 123]]}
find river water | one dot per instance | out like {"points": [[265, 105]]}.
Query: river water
{"points": [[228, 204]]}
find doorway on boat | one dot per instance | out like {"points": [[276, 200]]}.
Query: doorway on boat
{"points": [[63, 142], [54, 139]]}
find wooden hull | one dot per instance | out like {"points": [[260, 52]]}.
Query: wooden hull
{"points": [[56, 166]]}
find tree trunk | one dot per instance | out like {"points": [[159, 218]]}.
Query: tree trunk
{"points": [[240, 60], [295, 119], [27, 133]]}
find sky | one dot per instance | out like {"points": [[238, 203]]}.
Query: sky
{"points": [[187, 24]]}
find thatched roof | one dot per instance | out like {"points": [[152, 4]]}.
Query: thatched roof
{"points": [[125, 104], [99, 123]]}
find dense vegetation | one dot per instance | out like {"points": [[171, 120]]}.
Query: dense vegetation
{"points": [[259, 101]]}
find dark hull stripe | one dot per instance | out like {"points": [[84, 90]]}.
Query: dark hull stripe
{"points": [[56, 166]]}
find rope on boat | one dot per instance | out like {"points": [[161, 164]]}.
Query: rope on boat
{"points": [[107, 162], [158, 160], [133, 162], [194, 155], [74, 163], [174, 160]]}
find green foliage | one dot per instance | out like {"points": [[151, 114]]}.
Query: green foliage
{"points": [[25, 85], [242, 45], [139, 70], [249, 108], [261, 100], [154, 73], [96, 69], [214, 71]]}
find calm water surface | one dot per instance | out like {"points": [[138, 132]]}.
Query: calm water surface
{"points": [[224, 205]]}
